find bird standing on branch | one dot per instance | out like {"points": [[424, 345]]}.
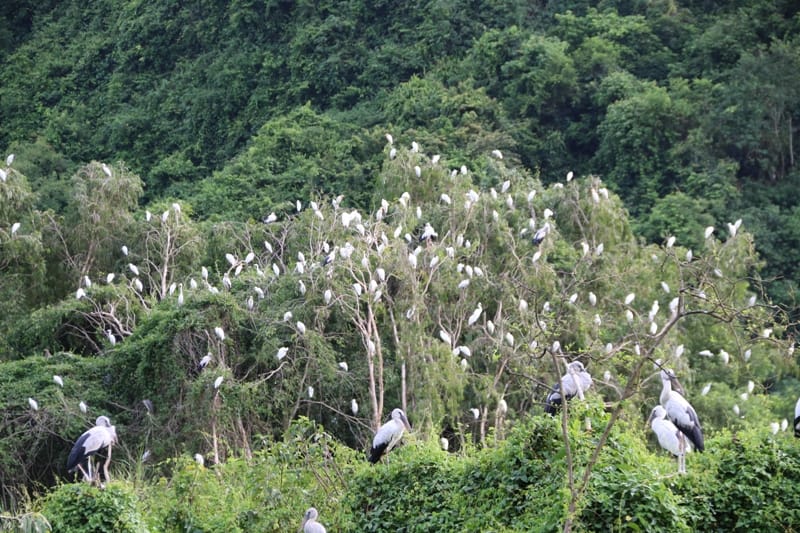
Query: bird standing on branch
{"points": [[102, 436], [388, 435]]}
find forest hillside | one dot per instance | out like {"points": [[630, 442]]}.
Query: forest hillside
{"points": [[247, 231]]}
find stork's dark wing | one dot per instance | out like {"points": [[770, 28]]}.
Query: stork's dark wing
{"points": [[78, 453], [553, 401]]}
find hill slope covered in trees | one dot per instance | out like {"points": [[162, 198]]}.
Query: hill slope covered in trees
{"points": [[676, 119]]}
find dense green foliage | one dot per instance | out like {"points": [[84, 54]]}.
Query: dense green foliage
{"points": [[746, 481], [253, 210], [82, 508], [241, 108]]}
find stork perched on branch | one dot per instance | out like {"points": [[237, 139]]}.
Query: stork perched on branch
{"points": [[573, 383], [102, 436], [388, 435]]}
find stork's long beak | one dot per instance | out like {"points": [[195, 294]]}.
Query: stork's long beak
{"points": [[405, 423]]}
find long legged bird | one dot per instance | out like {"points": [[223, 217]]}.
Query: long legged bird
{"points": [[669, 436], [388, 435], [102, 436], [680, 412], [574, 383], [310, 524]]}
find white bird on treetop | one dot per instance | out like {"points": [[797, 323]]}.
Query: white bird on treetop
{"points": [[388, 435], [476, 314], [573, 383]]}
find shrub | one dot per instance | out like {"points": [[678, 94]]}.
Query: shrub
{"points": [[82, 508]]}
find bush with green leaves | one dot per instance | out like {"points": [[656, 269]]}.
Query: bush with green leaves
{"points": [[83, 508], [268, 491], [748, 480]]}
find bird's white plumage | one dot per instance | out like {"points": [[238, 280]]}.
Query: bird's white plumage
{"points": [[666, 431], [389, 434], [310, 524], [574, 383], [576, 380], [669, 436], [102, 436], [680, 411]]}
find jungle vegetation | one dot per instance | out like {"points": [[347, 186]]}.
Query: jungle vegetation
{"points": [[215, 178]]}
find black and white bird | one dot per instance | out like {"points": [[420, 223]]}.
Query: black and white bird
{"points": [[574, 383], [310, 524], [428, 233], [669, 436], [680, 411], [328, 259], [102, 436], [388, 435], [797, 419], [204, 362], [540, 234]]}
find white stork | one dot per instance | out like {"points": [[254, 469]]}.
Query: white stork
{"points": [[573, 383], [388, 435], [669, 436], [102, 435], [310, 524], [680, 412]]}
